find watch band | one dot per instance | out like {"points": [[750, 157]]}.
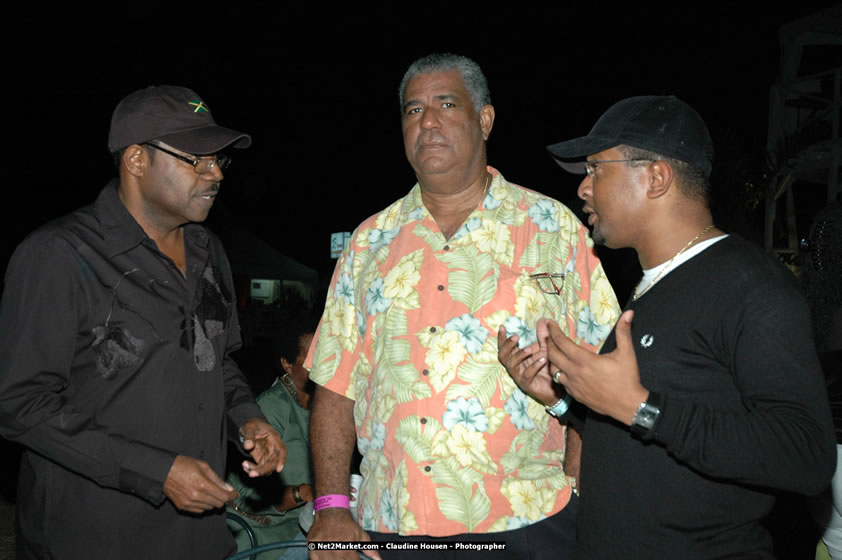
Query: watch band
{"points": [[559, 407], [296, 495], [646, 418]]}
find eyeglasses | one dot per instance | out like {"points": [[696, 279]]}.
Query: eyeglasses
{"points": [[549, 283], [590, 166], [200, 165]]}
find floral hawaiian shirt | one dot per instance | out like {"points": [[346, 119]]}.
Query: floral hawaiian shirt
{"points": [[449, 443]]}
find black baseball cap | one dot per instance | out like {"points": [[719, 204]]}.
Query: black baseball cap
{"points": [[174, 115], [662, 124]]}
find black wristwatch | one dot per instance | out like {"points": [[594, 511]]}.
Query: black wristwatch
{"points": [[646, 418]]}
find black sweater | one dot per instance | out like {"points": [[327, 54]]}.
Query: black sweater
{"points": [[725, 338]]}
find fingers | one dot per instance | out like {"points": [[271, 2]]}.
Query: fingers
{"points": [[561, 340], [609, 383], [531, 366], [527, 366], [277, 456], [510, 355], [249, 468], [252, 431], [566, 351], [505, 343], [192, 485], [218, 487], [247, 435], [267, 449], [265, 461], [558, 349], [542, 331]]}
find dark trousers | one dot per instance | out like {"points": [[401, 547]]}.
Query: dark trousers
{"points": [[553, 538]]}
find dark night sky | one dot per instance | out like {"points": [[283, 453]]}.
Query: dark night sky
{"points": [[317, 89]]}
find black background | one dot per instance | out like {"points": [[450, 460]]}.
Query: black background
{"points": [[316, 87]]}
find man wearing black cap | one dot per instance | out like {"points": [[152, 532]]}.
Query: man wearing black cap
{"points": [[118, 321], [713, 397]]}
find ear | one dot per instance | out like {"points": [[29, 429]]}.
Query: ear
{"points": [[286, 365], [660, 179], [135, 160], [486, 120]]}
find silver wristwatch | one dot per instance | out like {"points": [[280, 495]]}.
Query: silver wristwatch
{"points": [[647, 416]]}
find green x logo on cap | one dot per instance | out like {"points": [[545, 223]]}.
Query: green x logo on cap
{"points": [[200, 106]]}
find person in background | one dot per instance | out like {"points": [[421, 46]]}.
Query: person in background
{"points": [[821, 280], [271, 505]]}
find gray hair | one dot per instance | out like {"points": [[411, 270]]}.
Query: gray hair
{"points": [[472, 75]]}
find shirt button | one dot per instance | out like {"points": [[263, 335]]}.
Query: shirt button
{"points": [[423, 420], [428, 468], [425, 372], [446, 247], [201, 454], [201, 406], [433, 329], [440, 288]]}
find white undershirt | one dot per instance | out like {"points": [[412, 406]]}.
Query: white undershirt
{"points": [[651, 273]]}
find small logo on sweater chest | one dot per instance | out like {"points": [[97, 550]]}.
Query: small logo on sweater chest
{"points": [[646, 340]]}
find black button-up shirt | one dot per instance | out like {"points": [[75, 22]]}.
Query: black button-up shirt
{"points": [[112, 363]]}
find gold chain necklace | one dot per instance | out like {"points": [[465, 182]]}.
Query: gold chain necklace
{"points": [[638, 293]]}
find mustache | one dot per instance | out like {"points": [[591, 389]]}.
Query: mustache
{"points": [[431, 137]]}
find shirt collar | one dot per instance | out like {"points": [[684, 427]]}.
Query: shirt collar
{"points": [[122, 232], [415, 209]]}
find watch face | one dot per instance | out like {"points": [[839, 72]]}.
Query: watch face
{"points": [[644, 420], [559, 408], [645, 417]]}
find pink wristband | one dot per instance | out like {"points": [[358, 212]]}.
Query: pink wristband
{"points": [[332, 501]]}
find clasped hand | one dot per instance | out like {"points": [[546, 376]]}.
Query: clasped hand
{"points": [[606, 383], [193, 486], [265, 446], [528, 366]]}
